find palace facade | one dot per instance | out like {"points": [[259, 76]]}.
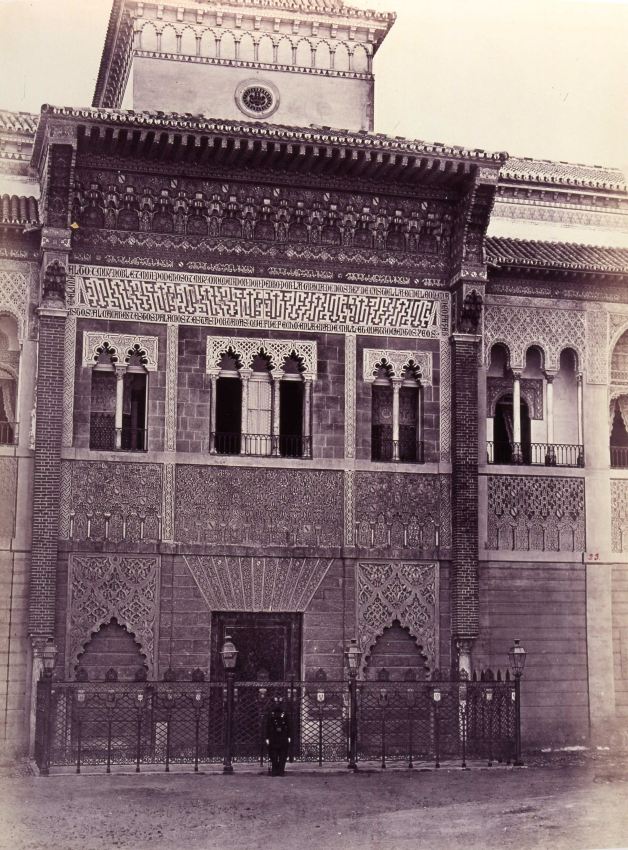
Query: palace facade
{"points": [[266, 373]]}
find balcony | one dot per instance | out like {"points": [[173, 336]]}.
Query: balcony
{"points": [[261, 445], [7, 433], [396, 451], [619, 457], [535, 454], [103, 436]]}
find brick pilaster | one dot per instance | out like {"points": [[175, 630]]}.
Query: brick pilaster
{"points": [[465, 581], [46, 472]]}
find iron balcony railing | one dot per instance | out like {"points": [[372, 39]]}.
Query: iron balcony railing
{"points": [[102, 435], [197, 722], [535, 454], [261, 445], [7, 433], [402, 451], [619, 457]]}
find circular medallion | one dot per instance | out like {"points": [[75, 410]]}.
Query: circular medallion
{"points": [[257, 98]]}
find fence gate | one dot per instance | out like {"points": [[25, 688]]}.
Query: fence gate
{"points": [[167, 723]]}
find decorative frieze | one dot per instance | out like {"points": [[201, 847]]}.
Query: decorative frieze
{"points": [[172, 361], [419, 363], [111, 501], [8, 482], [263, 507], [401, 511], [536, 513], [350, 394], [519, 327], [402, 591], [121, 347], [263, 213], [257, 583], [445, 385], [69, 372], [619, 515], [157, 296], [597, 347], [101, 587], [277, 351]]}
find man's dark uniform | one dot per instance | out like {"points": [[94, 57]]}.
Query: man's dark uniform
{"points": [[278, 737]]}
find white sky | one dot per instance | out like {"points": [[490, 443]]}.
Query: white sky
{"points": [[542, 78]]}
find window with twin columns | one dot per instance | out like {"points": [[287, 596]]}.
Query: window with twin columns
{"points": [[261, 396]]}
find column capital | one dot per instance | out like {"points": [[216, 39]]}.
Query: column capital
{"points": [[120, 370], [549, 376]]}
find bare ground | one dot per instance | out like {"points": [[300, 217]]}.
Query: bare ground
{"points": [[563, 802]]}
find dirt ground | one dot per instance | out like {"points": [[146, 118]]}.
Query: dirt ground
{"points": [[562, 802]]}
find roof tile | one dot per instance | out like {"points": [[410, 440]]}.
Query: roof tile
{"points": [[522, 252]]}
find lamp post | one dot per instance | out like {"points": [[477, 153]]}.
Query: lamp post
{"points": [[354, 657], [49, 659], [229, 655], [517, 659]]}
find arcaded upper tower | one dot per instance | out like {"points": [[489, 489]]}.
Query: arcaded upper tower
{"points": [[295, 62]]}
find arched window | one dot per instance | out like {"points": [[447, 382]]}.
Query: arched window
{"points": [[261, 396], [396, 415], [118, 408]]}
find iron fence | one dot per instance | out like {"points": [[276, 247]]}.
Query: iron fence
{"points": [[192, 723], [535, 454], [261, 445]]}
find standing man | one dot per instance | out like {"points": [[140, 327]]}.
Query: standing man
{"points": [[278, 737]]}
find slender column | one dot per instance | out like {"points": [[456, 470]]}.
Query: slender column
{"points": [[516, 416], [172, 357], [580, 409], [120, 373], [419, 425], [307, 416], [276, 375], [245, 375], [213, 380], [550, 408], [396, 386]]}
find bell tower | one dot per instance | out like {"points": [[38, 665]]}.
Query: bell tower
{"points": [[289, 62]]}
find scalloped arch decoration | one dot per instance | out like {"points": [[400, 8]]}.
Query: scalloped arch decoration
{"points": [[277, 350], [406, 591], [101, 587]]}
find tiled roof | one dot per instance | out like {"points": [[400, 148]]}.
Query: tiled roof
{"points": [[522, 252], [18, 122], [277, 132], [563, 173], [18, 210], [330, 7]]}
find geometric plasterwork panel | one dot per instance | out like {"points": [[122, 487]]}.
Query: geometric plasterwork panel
{"points": [[618, 325], [101, 587], [350, 394], [121, 347], [258, 506], [277, 350], [397, 361], [405, 591], [597, 347], [257, 583], [8, 482], [536, 513], [402, 511], [110, 502], [519, 327], [445, 387], [531, 393], [14, 298], [619, 515]]}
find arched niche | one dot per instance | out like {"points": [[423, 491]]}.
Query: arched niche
{"points": [[111, 646], [396, 652]]}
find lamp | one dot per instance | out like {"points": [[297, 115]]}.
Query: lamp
{"points": [[49, 656], [354, 656], [229, 654], [517, 658]]}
